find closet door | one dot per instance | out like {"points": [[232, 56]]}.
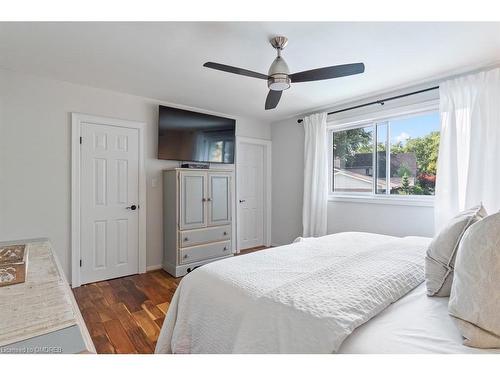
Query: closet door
{"points": [[193, 194], [219, 199]]}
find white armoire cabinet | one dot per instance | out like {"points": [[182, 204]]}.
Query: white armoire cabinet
{"points": [[197, 223]]}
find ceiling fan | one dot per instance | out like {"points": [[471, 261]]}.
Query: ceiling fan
{"points": [[279, 77]]}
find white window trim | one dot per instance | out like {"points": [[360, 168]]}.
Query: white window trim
{"points": [[396, 200], [367, 120]]}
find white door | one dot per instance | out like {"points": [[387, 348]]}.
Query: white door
{"points": [[250, 195], [193, 200], [219, 199], [109, 239]]}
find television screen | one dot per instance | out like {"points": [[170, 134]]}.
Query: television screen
{"points": [[192, 136]]}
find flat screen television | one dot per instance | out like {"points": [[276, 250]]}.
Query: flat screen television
{"points": [[192, 136]]}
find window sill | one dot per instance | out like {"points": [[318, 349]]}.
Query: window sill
{"points": [[420, 201]]}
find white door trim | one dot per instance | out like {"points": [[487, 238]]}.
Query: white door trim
{"points": [[76, 121], [267, 186]]}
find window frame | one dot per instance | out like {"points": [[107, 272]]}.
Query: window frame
{"points": [[371, 119]]}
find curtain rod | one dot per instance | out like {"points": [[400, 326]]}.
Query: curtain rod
{"points": [[381, 101]]}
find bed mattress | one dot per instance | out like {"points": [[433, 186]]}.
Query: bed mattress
{"points": [[414, 324]]}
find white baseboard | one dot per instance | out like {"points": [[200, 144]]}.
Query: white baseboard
{"points": [[153, 268]]}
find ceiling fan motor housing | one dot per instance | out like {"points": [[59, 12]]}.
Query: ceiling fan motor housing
{"points": [[278, 75]]}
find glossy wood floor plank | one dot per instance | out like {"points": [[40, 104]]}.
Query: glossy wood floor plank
{"points": [[136, 334], [147, 324], [125, 315], [118, 337]]}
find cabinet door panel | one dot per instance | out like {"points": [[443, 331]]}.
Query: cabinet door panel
{"points": [[192, 200], [219, 212]]}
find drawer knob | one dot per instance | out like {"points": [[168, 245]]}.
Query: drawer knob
{"points": [[225, 248], [225, 233], [186, 256], [185, 239]]}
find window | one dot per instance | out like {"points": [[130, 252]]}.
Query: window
{"points": [[396, 156], [353, 160]]}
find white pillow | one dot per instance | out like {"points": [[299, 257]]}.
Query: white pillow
{"points": [[475, 294], [440, 258]]}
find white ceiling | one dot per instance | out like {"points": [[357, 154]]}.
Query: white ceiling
{"points": [[164, 60]]}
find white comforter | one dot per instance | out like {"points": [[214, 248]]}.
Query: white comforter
{"points": [[306, 297]]}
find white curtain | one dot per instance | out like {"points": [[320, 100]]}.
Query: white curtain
{"points": [[469, 152], [315, 176]]}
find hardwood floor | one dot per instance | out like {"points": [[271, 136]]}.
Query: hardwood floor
{"points": [[125, 315]]}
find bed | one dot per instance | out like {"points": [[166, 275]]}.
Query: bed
{"points": [[415, 324], [349, 292]]}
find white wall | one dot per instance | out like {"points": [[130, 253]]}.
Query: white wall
{"points": [[35, 118], [394, 220], [288, 180]]}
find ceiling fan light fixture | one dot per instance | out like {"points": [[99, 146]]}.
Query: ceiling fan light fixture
{"points": [[278, 75], [279, 82]]}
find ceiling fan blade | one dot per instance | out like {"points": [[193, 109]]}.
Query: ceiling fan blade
{"points": [[273, 99], [328, 72], [232, 69]]}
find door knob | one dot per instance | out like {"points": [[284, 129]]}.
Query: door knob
{"points": [[133, 207], [242, 201]]}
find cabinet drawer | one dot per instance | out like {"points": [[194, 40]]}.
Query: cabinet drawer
{"points": [[205, 235], [202, 252]]}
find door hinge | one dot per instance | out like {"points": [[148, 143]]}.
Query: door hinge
{"points": [[81, 140], [80, 262]]}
